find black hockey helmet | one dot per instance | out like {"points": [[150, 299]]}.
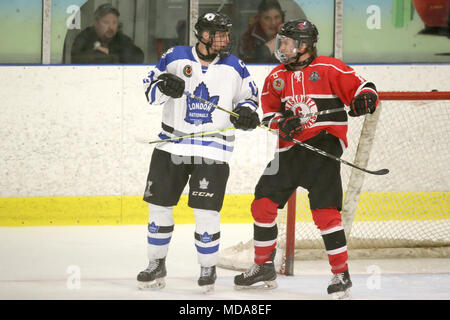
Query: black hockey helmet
{"points": [[213, 22], [301, 30]]}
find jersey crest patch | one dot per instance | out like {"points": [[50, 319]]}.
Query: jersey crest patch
{"points": [[314, 77], [303, 106], [199, 112], [278, 84]]}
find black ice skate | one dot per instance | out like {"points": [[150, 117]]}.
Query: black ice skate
{"points": [[153, 276], [257, 273], [207, 278], [340, 285]]}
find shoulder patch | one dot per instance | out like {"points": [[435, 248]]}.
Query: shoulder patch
{"points": [[278, 84]]}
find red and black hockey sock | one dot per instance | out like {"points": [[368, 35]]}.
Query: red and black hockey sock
{"points": [[328, 220], [265, 234]]}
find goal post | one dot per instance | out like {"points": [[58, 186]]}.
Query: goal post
{"points": [[405, 213]]}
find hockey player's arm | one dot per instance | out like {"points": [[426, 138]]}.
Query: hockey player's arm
{"points": [[246, 103], [153, 94], [271, 105], [365, 101], [353, 90], [160, 83]]}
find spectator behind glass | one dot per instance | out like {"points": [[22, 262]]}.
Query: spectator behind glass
{"points": [[257, 44], [104, 43]]}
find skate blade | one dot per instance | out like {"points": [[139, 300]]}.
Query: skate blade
{"points": [[152, 285], [267, 285], [342, 295], [208, 289]]}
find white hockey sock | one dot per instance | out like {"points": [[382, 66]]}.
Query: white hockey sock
{"points": [[207, 236], [160, 228]]}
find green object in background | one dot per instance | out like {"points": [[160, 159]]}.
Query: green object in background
{"points": [[402, 13]]}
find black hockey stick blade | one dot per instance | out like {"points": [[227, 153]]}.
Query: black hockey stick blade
{"points": [[380, 172]]}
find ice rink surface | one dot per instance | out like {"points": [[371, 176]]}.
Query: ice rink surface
{"points": [[101, 263]]}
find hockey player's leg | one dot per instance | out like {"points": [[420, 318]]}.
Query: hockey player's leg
{"points": [[160, 228], [264, 212], [328, 220], [207, 238], [207, 187]]}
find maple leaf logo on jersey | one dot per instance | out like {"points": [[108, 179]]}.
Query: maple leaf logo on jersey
{"points": [[199, 112]]}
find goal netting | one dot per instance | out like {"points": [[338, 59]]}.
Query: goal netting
{"points": [[405, 213]]}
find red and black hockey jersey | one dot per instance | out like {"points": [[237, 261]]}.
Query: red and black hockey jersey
{"points": [[327, 81]]}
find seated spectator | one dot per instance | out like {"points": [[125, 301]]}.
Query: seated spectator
{"points": [[104, 43], [257, 44]]}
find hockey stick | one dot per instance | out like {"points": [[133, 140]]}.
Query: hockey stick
{"points": [[196, 134], [329, 155], [324, 153], [190, 95], [313, 114]]}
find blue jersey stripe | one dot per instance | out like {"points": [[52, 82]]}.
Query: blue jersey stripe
{"points": [[235, 63], [247, 103], [207, 250], [212, 144], [173, 54], [158, 241], [153, 93]]}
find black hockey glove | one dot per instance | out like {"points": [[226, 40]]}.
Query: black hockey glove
{"points": [[248, 119], [171, 85], [363, 103], [289, 126]]}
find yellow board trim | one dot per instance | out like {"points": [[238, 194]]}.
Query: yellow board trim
{"points": [[119, 210], [383, 206], [106, 210]]}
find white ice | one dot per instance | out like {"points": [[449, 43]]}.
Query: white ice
{"points": [[101, 262]]}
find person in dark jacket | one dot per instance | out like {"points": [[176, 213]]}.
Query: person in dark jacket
{"points": [[258, 42], [104, 43]]}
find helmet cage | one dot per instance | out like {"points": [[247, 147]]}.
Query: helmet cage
{"points": [[212, 23]]}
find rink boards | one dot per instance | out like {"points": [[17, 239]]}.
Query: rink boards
{"points": [[70, 157]]}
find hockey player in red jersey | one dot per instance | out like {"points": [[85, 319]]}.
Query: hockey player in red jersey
{"points": [[302, 84]]}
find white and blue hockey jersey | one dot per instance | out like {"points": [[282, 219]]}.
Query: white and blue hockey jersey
{"points": [[225, 82]]}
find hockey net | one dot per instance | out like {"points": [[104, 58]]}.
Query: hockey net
{"points": [[405, 213]]}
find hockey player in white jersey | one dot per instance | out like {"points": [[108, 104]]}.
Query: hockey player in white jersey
{"points": [[208, 71]]}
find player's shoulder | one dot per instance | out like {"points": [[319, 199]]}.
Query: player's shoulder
{"points": [[234, 62], [178, 53], [324, 61], [278, 72]]}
